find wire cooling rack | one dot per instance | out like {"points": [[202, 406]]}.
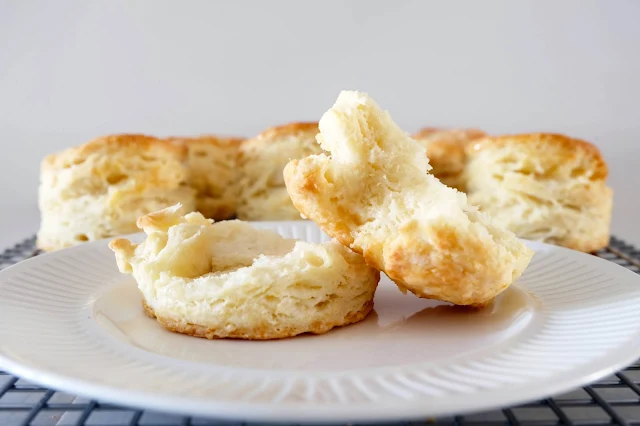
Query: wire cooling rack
{"points": [[614, 400]]}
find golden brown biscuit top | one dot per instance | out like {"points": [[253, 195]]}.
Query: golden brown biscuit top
{"points": [[553, 149], [206, 140], [134, 143], [288, 129], [446, 147], [438, 134], [115, 165]]}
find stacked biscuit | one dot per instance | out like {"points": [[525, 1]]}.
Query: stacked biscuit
{"points": [[371, 191], [99, 189], [262, 193], [211, 164], [543, 186]]}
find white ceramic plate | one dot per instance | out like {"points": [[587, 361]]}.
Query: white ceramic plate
{"points": [[71, 321]]}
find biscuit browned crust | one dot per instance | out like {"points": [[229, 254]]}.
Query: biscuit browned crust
{"points": [[288, 129], [447, 134], [255, 333], [216, 140], [78, 154], [446, 152], [560, 150]]}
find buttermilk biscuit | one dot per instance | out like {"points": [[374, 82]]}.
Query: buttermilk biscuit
{"points": [[263, 195], [373, 194], [544, 187], [446, 152], [230, 280], [99, 189], [213, 173]]}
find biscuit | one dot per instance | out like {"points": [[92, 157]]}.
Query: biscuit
{"points": [[543, 186], [446, 152], [99, 189], [374, 195], [213, 173], [230, 280], [262, 193]]}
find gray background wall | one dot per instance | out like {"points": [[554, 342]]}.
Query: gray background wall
{"points": [[72, 70]]}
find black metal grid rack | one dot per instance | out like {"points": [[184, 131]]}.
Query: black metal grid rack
{"points": [[614, 400]]}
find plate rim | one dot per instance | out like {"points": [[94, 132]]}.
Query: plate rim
{"points": [[313, 414]]}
